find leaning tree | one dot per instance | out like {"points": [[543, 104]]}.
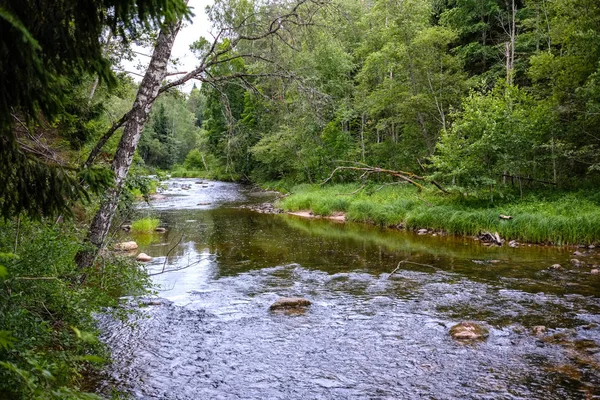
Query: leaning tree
{"points": [[236, 25]]}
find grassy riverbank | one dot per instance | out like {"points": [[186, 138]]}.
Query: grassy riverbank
{"points": [[543, 217]]}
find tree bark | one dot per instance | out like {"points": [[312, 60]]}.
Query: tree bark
{"points": [[147, 92]]}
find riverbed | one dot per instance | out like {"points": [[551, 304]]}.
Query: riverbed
{"points": [[378, 326]]}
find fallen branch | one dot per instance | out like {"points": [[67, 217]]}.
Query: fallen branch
{"points": [[409, 262], [169, 252], [367, 170]]}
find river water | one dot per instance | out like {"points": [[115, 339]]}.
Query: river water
{"points": [[369, 334]]}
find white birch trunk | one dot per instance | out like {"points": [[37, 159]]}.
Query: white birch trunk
{"points": [[147, 92]]}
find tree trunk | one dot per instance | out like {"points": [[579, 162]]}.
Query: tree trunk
{"points": [[147, 92]]}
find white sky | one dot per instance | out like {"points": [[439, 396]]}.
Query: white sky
{"points": [[199, 26]]}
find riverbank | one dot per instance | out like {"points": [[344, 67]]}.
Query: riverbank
{"points": [[544, 218]]}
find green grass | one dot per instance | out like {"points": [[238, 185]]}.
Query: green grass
{"points": [[144, 225], [543, 217]]}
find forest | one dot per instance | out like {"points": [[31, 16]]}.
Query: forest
{"points": [[435, 114]]}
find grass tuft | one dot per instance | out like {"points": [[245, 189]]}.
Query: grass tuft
{"points": [[145, 225]]}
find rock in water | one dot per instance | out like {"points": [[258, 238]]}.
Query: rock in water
{"points": [[468, 331], [126, 246], [160, 230], [143, 257], [286, 303], [539, 330]]}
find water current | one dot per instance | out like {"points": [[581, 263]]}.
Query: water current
{"points": [[369, 333]]}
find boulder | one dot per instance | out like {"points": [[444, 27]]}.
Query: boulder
{"points": [[126, 246], [286, 303], [160, 230], [576, 262], [595, 271], [591, 246], [555, 266], [578, 254], [143, 257], [468, 331], [513, 243], [422, 232]]}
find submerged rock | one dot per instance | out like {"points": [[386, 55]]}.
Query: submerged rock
{"points": [[143, 257], [126, 246], [576, 262], [286, 303], [468, 331]]}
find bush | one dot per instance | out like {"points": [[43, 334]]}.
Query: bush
{"points": [[48, 339]]}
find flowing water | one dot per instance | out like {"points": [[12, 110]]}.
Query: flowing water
{"points": [[374, 331]]}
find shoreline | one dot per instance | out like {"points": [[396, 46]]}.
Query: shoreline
{"points": [[571, 222]]}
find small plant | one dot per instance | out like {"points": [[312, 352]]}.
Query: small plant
{"points": [[145, 225]]}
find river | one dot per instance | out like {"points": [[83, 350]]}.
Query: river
{"points": [[369, 334]]}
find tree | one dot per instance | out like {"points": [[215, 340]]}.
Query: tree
{"points": [[43, 47], [243, 21]]}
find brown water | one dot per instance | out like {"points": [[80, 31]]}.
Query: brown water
{"points": [[368, 334]]}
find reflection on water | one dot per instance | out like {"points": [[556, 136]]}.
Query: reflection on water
{"points": [[368, 334]]}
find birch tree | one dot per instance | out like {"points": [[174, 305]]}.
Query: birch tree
{"points": [[235, 26]]}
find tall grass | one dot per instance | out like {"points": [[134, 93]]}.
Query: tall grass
{"points": [[556, 218], [144, 225]]}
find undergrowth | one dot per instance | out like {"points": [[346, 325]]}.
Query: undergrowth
{"points": [[544, 217], [48, 336]]}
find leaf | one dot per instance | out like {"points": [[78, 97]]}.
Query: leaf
{"points": [[87, 337], [6, 339], [92, 359]]}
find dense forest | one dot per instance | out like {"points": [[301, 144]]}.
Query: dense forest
{"points": [[480, 99], [471, 93]]}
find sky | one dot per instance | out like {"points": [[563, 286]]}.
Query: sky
{"points": [[199, 26]]}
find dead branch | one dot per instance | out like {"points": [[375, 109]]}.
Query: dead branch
{"points": [[367, 170], [410, 262]]}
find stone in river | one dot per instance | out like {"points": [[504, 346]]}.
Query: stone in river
{"points": [[468, 331], [286, 303], [539, 330], [126, 246], [143, 257], [595, 271], [160, 230]]}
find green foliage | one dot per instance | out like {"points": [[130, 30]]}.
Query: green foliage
{"points": [[496, 133], [48, 339], [145, 225], [171, 134]]}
